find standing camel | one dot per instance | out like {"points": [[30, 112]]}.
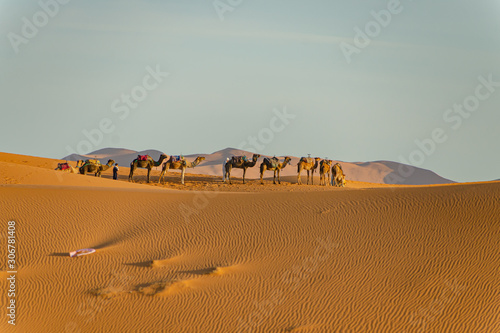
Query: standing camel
{"points": [[179, 164], [324, 170], [309, 164], [338, 177], [145, 162], [273, 164], [240, 163], [95, 168]]}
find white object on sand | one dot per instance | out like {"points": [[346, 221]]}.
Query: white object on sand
{"points": [[81, 252]]}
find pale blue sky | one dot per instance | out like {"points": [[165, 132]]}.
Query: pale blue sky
{"points": [[226, 77]]}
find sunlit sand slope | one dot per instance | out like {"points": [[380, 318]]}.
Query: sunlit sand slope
{"points": [[377, 260]]}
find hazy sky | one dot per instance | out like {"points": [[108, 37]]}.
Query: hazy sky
{"points": [[301, 77]]}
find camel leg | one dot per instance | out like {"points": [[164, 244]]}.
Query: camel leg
{"points": [[279, 181], [274, 178], [298, 179], [163, 171], [312, 177], [161, 175], [244, 171], [149, 172], [262, 168], [131, 174], [182, 175]]}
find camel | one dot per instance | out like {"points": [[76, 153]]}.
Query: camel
{"points": [[79, 163], [179, 164], [144, 162], [309, 164], [338, 176], [65, 167], [240, 163], [95, 168], [273, 164], [324, 170]]}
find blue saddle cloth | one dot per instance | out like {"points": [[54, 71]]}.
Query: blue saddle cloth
{"points": [[176, 158]]}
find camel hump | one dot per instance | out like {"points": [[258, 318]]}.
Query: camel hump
{"points": [[307, 159], [97, 162], [63, 166], [176, 158], [338, 168], [142, 157], [240, 159], [273, 161]]}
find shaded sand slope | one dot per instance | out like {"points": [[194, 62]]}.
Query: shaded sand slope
{"points": [[375, 260], [12, 173]]}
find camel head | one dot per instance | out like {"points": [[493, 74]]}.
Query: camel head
{"points": [[327, 163], [163, 156], [287, 160], [195, 162], [255, 157], [110, 162]]}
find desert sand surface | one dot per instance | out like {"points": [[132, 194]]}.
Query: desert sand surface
{"points": [[209, 257]]}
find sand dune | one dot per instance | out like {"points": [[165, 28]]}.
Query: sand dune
{"points": [[382, 172], [380, 259]]}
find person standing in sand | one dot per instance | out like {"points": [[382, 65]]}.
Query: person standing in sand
{"points": [[115, 171], [224, 170]]}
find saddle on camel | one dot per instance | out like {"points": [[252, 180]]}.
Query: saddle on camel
{"points": [[308, 160], [176, 158], [96, 162], [239, 159], [273, 161], [63, 166]]}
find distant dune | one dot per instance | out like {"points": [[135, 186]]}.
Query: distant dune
{"points": [[381, 172]]}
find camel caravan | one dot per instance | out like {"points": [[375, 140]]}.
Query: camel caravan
{"points": [[329, 173]]}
